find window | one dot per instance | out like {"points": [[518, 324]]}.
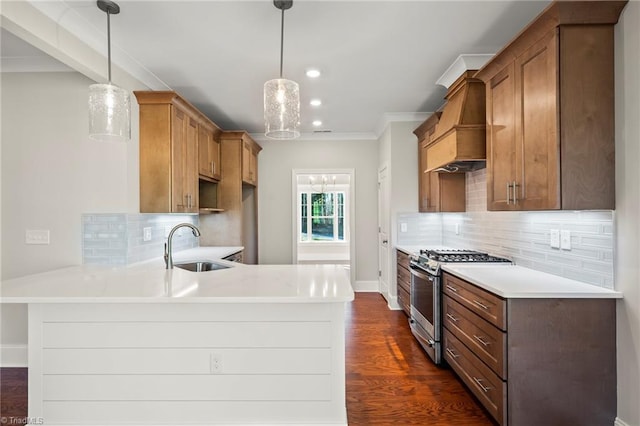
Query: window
{"points": [[322, 216]]}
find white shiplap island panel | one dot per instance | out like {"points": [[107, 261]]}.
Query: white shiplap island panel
{"points": [[210, 355]]}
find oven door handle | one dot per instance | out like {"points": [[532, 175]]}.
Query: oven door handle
{"points": [[421, 275], [429, 342]]}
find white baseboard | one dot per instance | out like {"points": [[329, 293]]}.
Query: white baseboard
{"points": [[393, 304], [620, 422], [366, 286], [13, 356]]}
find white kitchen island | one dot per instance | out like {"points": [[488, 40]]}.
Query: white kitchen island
{"points": [[142, 345]]}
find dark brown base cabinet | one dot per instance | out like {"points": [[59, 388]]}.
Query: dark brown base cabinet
{"points": [[403, 282], [533, 362]]}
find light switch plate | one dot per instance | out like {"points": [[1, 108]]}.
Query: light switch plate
{"points": [[565, 240], [36, 236], [554, 238], [146, 234], [403, 226]]}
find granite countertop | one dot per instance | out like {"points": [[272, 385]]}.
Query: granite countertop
{"points": [[150, 282], [512, 281]]}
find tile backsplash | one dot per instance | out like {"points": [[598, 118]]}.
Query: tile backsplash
{"points": [[521, 236], [118, 238]]}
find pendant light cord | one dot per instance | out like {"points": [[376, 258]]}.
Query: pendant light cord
{"points": [[281, 41], [109, 43]]}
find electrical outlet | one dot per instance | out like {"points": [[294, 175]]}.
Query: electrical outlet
{"points": [[554, 238], [565, 240], [36, 236], [215, 363], [403, 226], [457, 229], [146, 234]]}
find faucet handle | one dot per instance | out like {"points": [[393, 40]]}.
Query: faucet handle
{"points": [[166, 257]]}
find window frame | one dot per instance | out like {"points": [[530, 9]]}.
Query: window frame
{"points": [[309, 190]]}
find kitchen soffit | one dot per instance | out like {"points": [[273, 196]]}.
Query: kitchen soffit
{"points": [[376, 57]]}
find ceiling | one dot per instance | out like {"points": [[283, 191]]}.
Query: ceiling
{"points": [[376, 57]]}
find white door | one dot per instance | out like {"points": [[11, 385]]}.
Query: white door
{"points": [[383, 232]]}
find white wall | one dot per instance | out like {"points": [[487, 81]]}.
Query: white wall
{"points": [[398, 149], [275, 163], [51, 174], [627, 269]]}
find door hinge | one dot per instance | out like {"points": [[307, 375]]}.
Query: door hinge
{"points": [[379, 273]]}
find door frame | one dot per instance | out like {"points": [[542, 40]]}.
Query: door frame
{"points": [[387, 294], [352, 212]]}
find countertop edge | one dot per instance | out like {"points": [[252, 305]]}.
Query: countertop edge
{"points": [[591, 291]]}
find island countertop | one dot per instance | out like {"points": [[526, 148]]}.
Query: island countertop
{"points": [[150, 282], [512, 281]]}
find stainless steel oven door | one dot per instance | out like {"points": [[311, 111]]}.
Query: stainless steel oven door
{"points": [[425, 311]]}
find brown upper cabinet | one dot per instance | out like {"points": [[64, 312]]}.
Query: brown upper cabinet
{"points": [[438, 192], [250, 150], [550, 111], [209, 151], [169, 131]]}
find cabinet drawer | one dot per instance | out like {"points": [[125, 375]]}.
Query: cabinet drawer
{"points": [[487, 305], [484, 383], [402, 259], [404, 300], [485, 340], [404, 278]]}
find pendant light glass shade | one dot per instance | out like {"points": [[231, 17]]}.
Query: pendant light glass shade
{"points": [[109, 105], [281, 96], [109, 113], [281, 109]]}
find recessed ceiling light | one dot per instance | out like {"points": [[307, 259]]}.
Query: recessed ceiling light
{"points": [[315, 102], [317, 123], [313, 73]]}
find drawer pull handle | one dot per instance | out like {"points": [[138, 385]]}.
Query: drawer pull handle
{"points": [[455, 290], [483, 387], [451, 317], [482, 305], [481, 340], [452, 353]]}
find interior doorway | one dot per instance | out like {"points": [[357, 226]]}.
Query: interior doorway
{"points": [[323, 212]]}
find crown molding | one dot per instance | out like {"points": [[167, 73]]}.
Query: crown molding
{"points": [[461, 64], [329, 136], [390, 117]]}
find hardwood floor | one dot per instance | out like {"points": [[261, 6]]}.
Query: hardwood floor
{"points": [[13, 396], [390, 380]]}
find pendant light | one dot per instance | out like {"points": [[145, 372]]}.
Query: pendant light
{"points": [[281, 96], [109, 105]]}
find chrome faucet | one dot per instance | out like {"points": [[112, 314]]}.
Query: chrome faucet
{"points": [[168, 253]]}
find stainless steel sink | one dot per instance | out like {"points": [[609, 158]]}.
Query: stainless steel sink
{"points": [[200, 266]]}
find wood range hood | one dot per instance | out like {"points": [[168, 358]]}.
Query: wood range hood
{"points": [[458, 141]]}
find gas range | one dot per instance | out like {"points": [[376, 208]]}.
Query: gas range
{"points": [[426, 293], [430, 260]]}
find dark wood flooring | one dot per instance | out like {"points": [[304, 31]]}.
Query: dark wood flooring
{"points": [[390, 380], [13, 396]]}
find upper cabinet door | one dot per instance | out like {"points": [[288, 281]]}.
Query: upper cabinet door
{"points": [[501, 142], [208, 153], [550, 111], [537, 145], [179, 191]]}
